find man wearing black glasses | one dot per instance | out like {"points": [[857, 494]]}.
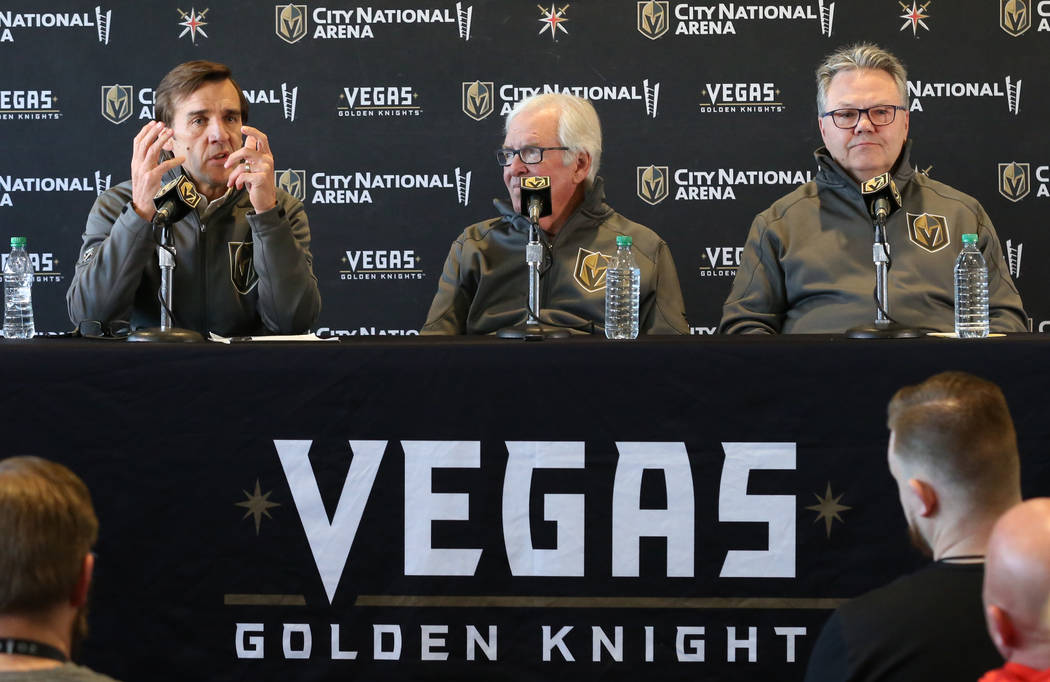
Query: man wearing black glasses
{"points": [[807, 264], [484, 285]]}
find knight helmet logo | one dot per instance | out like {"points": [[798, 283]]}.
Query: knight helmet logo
{"points": [[928, 231], [291, 22], [293, 182], [590, 268], [653, 18], [875, 184], [478, 99], [116, 102], [652, 183], [242, 266], [1015, 16], [1014, 180], [188, 191], [536, 182]]}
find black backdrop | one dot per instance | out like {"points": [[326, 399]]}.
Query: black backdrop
{"points": [[381, 89]]}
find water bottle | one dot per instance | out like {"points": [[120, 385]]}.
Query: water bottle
{"points": [[622, 282], [971, 291], [18, 293]]}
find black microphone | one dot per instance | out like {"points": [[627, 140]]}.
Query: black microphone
{"points": [[536, 197], [882, 197], [175, 200]]}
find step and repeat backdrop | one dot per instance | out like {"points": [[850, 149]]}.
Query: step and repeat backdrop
{"points": [[384, 116]]}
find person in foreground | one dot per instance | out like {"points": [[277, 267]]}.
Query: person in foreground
{"points": [[47, 529], [807, 263], [953, 454], [1017, 593], [243, 263], [484, 284]]}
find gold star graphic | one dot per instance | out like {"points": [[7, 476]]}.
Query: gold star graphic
{"points": [[257, 504], [828, 508]]}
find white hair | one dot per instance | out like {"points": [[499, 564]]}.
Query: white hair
{"points": [[578, 126]]}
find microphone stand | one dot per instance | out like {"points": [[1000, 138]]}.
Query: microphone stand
{"points": [[884, 327], [166, 259], [533, 329]]}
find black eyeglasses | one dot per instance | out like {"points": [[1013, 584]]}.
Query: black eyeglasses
{"points": [[93, 329], [528, 155], [879, 115]]}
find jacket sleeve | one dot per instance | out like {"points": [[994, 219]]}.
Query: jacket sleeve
{"points": [[451, 304], [757, 301], [1005, 311], [664, 312], [289, 301], [117, 247], [828, 661]]}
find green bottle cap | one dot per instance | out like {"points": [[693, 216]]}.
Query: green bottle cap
{"points": [[623, 240], [969, 239], [18, 242]]}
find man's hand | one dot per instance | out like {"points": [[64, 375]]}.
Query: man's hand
{"points": [[254, 169], [146, 173]]}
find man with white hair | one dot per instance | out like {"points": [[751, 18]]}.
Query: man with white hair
{"points": [[1017, 592], [484, 285], [807, 264]]}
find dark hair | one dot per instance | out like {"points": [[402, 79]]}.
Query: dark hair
{"points": [[958, 427], [184, 80], [47, 527]]}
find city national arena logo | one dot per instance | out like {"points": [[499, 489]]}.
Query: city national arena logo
{"points": [[741, 98], [479, 97], [914, 16], [29, 105], [653, 183], [1009, 89], [1014, 180], [291, 22], [722, 184], [117, 103], [726, 18], [590, 269], [192, 23], [11, 184], [288, 98], [1013, 257], [293, 181], [1015, 16], [928, 231], [381, 264], [19, 20], [654, 18], [361, 187]]}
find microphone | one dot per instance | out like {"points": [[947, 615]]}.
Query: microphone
{"points": [[536, 197], [882, 197], [175, 200]]}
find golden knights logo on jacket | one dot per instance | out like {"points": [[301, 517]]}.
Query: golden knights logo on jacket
{"points": [[928, 231], [590, 269], [242, 266]]}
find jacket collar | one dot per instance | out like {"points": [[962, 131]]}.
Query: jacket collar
{"points": [[232, 197], [831, 174]]}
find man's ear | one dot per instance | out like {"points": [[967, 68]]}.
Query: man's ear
{"points": [[1002, 630], [924, 496], [583, 167], [80, 590]]}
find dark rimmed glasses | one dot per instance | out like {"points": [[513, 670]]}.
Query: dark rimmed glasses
{"points": [[879, 115], [529, 155]]}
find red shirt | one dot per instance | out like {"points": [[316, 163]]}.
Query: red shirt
{"points": [[1015, 672]]}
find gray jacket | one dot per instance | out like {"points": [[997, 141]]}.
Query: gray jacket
{"points": [[807, 265], [484, 285], [236, 273]]}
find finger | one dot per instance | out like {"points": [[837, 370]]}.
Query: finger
{"points": [[235, 175], [154, 149], [237, 157], [164, 167], [261, 142], [146, 137]]}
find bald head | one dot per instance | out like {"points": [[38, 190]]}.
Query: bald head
{"points": [[1017, 584]]}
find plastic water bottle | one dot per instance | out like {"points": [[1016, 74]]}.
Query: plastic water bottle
{"points": [[971, 291], [18, 292], [622, 283]]}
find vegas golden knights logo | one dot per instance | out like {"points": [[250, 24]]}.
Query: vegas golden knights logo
{"points": [[242, 266], [478, 99], [590, 268], [653, 18], [875, 184], [291, 22], [1014, 180], [652, 184], [1015, 16], [928, 231], [293, 182], [116, 102], [536, 182], [189, 193]]}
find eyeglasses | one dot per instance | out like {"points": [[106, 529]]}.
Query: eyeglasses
{"points": [[530, 155], [879, 115], [93, 329]]}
